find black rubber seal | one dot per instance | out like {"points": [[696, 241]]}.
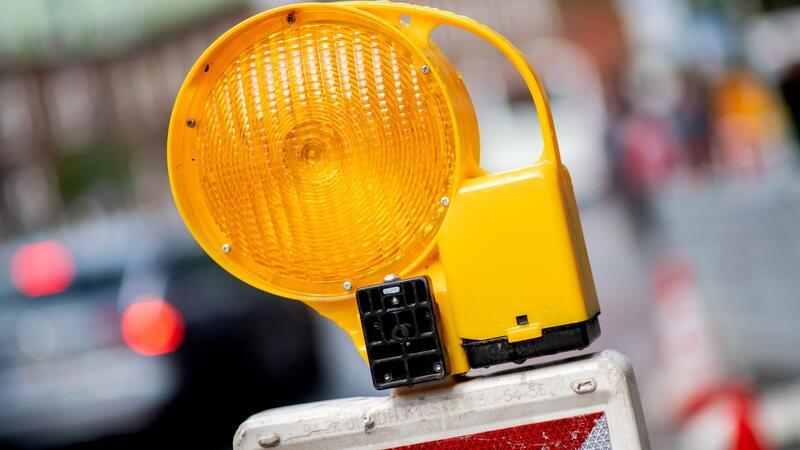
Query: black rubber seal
{"points": [[575, 336]]}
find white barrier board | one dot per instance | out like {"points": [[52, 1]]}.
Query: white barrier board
{"points": [[588, 402]]}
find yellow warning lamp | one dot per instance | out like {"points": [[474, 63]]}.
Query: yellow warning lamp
{"points": [[329, 153]]}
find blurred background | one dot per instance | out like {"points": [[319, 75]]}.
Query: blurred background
{"points": [[678, 119]]}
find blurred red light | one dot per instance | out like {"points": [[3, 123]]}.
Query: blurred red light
{"points": [[152, 327], [42, 268]]}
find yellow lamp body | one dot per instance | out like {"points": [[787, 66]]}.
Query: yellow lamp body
{"points": [[494, 246]]}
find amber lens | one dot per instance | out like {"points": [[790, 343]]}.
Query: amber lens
{"points": [[322, 153]]}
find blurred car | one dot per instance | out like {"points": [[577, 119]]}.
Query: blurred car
{"points": [[122, 333]]}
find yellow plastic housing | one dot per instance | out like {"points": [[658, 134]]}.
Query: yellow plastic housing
{"points": [[316, 148]]}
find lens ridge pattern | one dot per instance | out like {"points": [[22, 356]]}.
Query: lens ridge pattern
{"points": [[324, 154]]}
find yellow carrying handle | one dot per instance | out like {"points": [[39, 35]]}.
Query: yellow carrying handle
{"points": [[423, 20]]}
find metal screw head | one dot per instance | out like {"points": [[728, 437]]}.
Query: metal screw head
{"points": [[584, 386], [269, 440], [444, 201], [226, 248], [425, 69], [290, 19], [387, 377], [369, 424], [347, 285], [191, 123], [437, 367], [391, 277]]}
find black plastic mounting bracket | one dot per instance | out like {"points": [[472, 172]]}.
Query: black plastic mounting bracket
{"points": [[401, 334]]}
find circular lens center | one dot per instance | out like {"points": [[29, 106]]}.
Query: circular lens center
{"points": [[312, 152]]}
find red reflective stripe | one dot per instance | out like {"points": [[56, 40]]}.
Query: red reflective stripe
{"points": [[748, 436], [566, 434]]}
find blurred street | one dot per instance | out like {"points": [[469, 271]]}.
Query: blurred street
{"points": [[679, 121]]}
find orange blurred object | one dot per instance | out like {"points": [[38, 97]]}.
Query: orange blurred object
{"points": [[748, 123], [42, 268], [152, 327]]}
